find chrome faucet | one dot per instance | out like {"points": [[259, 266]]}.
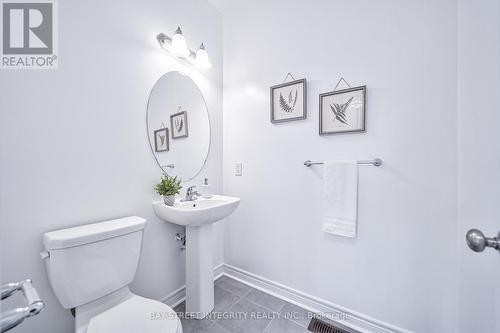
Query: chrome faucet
{"points": [[191, 194]]}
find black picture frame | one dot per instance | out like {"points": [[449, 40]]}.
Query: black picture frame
{"points": [[362, 129], [167, 143], [285, 104], [173, 126]]}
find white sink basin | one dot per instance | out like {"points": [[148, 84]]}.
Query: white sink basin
{"points": [[198, 212], [198, 217]]}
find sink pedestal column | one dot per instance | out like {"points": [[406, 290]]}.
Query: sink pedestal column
{"points": [[199, 271]]}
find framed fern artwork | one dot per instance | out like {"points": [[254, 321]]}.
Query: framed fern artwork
{"points": [[288, 101], [342, 111], [161, 140], [179, 125]]}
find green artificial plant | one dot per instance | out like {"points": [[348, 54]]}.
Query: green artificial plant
{"points": [[168, 186]]}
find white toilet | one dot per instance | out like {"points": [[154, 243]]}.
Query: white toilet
{"points": [[90, 267]]}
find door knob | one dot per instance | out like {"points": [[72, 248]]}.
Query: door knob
{"points": [[477, 242]]}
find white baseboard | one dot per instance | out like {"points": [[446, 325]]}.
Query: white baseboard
{"points": [[175, 297], [179, 295], [344, 316], [317, 305]]}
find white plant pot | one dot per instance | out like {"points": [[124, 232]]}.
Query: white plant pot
{"points": [[169, 200]]}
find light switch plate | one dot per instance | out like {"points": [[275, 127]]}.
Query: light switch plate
{"points": [[238, 170]]}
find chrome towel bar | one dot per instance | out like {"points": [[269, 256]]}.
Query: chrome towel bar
{"points": [[478, 242], [375, 162], [11, 318]]}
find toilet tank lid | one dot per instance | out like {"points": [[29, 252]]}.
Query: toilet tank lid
{"points": [[89, 233]]}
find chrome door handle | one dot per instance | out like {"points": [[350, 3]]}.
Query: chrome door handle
{"points": [[477, 242]]}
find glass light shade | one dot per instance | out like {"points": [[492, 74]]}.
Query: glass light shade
{"points": [[202, 58], [178, 46]]}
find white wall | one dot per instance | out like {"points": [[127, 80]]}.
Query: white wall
{"points": [[401, 269], [73, 141], [479, 161]]}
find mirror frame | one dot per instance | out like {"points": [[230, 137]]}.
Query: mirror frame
{"points": [[209, 128]]}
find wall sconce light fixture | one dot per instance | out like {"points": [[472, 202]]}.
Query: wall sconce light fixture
{"points": [[177, 47]]}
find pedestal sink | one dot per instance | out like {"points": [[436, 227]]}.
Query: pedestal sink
{"points": [[198, 217]]}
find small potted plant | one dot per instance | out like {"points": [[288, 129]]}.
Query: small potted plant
{"points": [[168, 187]]}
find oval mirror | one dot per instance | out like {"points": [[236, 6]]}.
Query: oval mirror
{"points": [[178, 126]]}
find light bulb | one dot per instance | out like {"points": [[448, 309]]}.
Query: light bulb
{"points": [[178, 45], [202, 58]]}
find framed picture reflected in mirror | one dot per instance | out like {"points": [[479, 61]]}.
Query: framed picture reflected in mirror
{"points": [[161, 140], [179, 125]]}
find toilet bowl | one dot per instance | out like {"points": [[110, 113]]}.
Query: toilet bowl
{"points": [[90, 268], [136, 314]]}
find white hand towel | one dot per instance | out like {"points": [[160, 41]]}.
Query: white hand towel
{"points": [[340, 197]]}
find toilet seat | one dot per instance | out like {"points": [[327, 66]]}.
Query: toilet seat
{"points": [[136, 315]]}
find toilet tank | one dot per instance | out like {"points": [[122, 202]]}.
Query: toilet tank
{"points": [[93, 260]]}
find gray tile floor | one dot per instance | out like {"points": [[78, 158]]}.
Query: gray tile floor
{"points": [[240, 309]]}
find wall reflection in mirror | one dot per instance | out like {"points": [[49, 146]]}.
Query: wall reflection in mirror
{"points": [[178, 126]]}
